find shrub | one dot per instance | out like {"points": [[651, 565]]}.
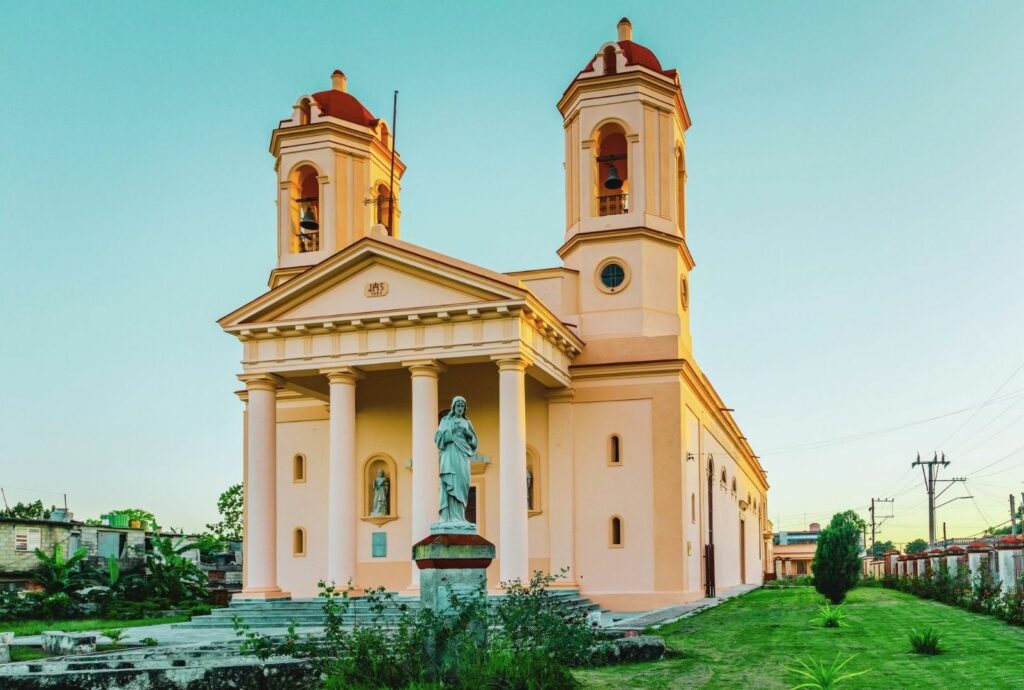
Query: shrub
{"points": [[984, 595], [149, 641], [925, 642], [531, 642], [830, 617], [817, 675], [837, 563]]}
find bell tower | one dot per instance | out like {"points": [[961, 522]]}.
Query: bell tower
{"points": [[625, 124], [334, 172]]}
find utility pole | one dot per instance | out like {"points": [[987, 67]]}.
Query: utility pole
{"points": [[876, 522], [1013, 516], [931, 478], [944, 539]]}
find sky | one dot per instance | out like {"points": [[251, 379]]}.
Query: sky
{"points": [[854, 208]]}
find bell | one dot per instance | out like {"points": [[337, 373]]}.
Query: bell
{"points": [[308, 221], [613, 181]]}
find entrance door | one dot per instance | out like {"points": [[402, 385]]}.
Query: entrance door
{"points": [[709, 548], [743, 553]]}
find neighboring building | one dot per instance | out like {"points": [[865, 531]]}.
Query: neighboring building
{"points": [[793, 552], [604, 448], [19, 539]]}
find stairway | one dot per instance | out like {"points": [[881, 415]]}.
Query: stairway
{"points": [[306, 613]]}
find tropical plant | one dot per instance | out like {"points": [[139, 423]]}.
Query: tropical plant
{"points": [[818, 676], [169, 577], [116, 635], [113, 571], [837, 565], [925, 641], [59, 575], [830, 616]]}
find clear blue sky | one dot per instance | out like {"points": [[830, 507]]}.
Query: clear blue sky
{"points": [[855, 200]]}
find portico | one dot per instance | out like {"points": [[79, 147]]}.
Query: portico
{"points": [[320, 365]]}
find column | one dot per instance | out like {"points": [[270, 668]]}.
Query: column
{"points": [[513, 551], [425, 480], [561, 485], [342, 494], [261, 488]]}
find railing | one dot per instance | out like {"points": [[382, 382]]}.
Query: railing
{"points": [[612, 204], [309, 241]]}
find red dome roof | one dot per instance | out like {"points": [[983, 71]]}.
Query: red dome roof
{"points": [[955, 549], [637, 54], [344, 106], [979, 545], [1008, 541]]}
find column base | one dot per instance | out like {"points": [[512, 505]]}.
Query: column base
{"points": [[261, 594]]}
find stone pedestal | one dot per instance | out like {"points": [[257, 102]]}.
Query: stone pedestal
{"points": [[452, 563]]}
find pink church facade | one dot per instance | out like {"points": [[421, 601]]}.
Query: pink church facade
{"points": [[604, 449]]}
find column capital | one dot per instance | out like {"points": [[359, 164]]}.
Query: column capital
{"points": [[342, 375], [425, 367], [560, 395], [257, 382], [512, 362]]}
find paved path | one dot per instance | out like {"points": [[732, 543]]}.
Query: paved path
{"points": [[167, 635], [670, 614]]}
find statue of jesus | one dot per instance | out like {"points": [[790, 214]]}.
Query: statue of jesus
{"points": [[457, 442]]}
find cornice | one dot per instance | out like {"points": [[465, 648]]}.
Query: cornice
{"points": [[619, 233], [326, 126], [667, 86]]}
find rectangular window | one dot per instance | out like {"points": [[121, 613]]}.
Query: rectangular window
{"points": [[28, 539], [801, 567]]}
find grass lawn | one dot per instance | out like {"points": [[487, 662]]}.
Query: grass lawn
{"points": [[744, 642], [34, 627]]}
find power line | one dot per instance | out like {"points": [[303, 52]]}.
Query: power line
{"points": [[979, 407], [813, 445]]}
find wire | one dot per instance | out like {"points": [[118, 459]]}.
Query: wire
{"points": [[812, 445], [979, 407]]}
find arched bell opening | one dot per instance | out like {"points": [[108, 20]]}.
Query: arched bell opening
{"points": [[611, 171], [305, 210]]}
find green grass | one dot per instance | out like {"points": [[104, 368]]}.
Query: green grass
{"points": [[27, 653], [744, 642], [34, 627]]}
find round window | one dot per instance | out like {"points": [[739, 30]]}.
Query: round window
{"points": [[612, 276]]}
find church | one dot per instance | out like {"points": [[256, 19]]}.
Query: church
{"points": [[604, 451]]}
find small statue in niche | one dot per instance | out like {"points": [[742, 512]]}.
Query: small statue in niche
{"points": [[381, 495], [529, 489]]}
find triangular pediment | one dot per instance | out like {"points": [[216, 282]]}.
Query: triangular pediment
{"points": [[376, 276]]}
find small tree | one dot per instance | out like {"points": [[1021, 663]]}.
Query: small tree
{"points": [[229, 505], [917, 546], [837, 559], [879, 548]]}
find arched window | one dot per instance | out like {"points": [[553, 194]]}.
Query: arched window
{"points": [[614, 450], [611, 171], [305, 111], [299, 542], [615, 536], [305, 207], [693, 508], [724, 478], [299, 468], [609, 60], [384, 201], [733, 487]]}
